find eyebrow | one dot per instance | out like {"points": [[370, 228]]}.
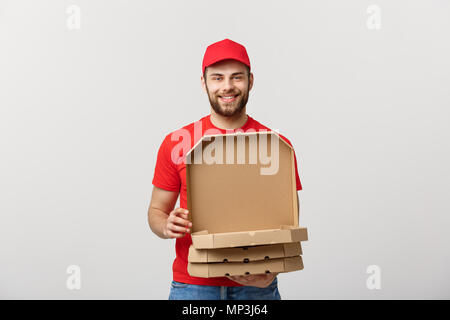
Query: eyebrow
{"points": [[219, 74]]}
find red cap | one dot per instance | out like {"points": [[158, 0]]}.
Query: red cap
{"points": [[225, 49]]}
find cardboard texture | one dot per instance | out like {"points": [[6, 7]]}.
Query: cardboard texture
{"points": [[244, 254], [207, 270], [204, 240], [232, 200]]}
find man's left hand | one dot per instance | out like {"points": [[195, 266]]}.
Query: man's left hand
{"points": [[255, 280]]}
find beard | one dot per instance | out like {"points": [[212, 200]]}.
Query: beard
{"points": [[229, 109]]}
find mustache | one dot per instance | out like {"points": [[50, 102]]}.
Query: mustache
{"points": [[228, 94]]}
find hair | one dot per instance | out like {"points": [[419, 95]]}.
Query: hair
{"points": [[246, 67]]}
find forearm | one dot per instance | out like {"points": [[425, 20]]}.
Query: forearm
{"points": [[157, 219]]}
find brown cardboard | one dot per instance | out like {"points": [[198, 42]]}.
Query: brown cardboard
{"points": [[244, 254], [234, 205], [205, 240], [208, 270]]}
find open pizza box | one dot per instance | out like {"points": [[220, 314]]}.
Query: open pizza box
{"points": [[241, 191]]}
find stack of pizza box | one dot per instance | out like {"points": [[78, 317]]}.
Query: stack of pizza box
{"points": [[243, 204]]}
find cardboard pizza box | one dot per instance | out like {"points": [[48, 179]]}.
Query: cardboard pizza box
{"points": [[244, 254], [280, 265], [241, 191]]}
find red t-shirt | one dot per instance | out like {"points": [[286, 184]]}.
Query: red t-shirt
{"points": [[170, 174]]}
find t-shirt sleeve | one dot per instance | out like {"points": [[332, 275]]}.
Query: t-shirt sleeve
{"points": [[297, 178], [166, 173]]}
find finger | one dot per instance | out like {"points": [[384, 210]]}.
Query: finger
{"points": [[175, 228], [173, 217], [256, 276], [183, 216], [250, 278], [263, 276], [179, 211], [246, 278], [239, 279], [240, 282], [173, 235], [253, 278], [181, 222]]}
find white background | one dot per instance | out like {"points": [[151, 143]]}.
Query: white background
{"points": [[83, 112]]}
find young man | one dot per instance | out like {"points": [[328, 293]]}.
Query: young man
{"points": [[227, 81]]}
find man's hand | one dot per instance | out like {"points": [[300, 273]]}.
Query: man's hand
{"points": [[177, 224], [255, 280]]}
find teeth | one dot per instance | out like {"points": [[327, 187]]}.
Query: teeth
{"points": [[228, 97]]}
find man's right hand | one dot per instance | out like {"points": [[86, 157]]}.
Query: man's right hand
{"points": [[177, 224]]}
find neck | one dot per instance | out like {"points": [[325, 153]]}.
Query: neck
{"points": [[233, 122]]}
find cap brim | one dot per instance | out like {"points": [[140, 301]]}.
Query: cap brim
{"points": [[226, 58]]}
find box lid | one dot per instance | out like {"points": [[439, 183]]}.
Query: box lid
{"points": [[241, 182]]}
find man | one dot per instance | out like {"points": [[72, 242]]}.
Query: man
{"points": [[227, 81]]}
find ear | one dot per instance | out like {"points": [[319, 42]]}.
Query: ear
{"points": [[251, 82], [202, 83]]}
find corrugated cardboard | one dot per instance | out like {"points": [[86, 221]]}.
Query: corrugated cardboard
{"points": [[208, 270], [244, 254], [205, 240], [234, 205]]}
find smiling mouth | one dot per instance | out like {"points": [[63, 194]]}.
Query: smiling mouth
{"points": [[228, 98]]}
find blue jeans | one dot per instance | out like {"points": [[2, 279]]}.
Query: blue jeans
{"points": [[185, 291]]}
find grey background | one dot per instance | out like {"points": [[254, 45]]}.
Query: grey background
{"points": [[84, 111]]}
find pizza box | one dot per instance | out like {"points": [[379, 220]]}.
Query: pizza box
{"points": [[220, 269], [244, 254], [241, 191]]}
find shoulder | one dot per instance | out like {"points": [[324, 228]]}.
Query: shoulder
{"points": [[285, 139], [261, 126], [184, 133]]}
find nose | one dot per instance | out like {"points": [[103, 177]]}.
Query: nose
{"points": [[227, 86]]}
